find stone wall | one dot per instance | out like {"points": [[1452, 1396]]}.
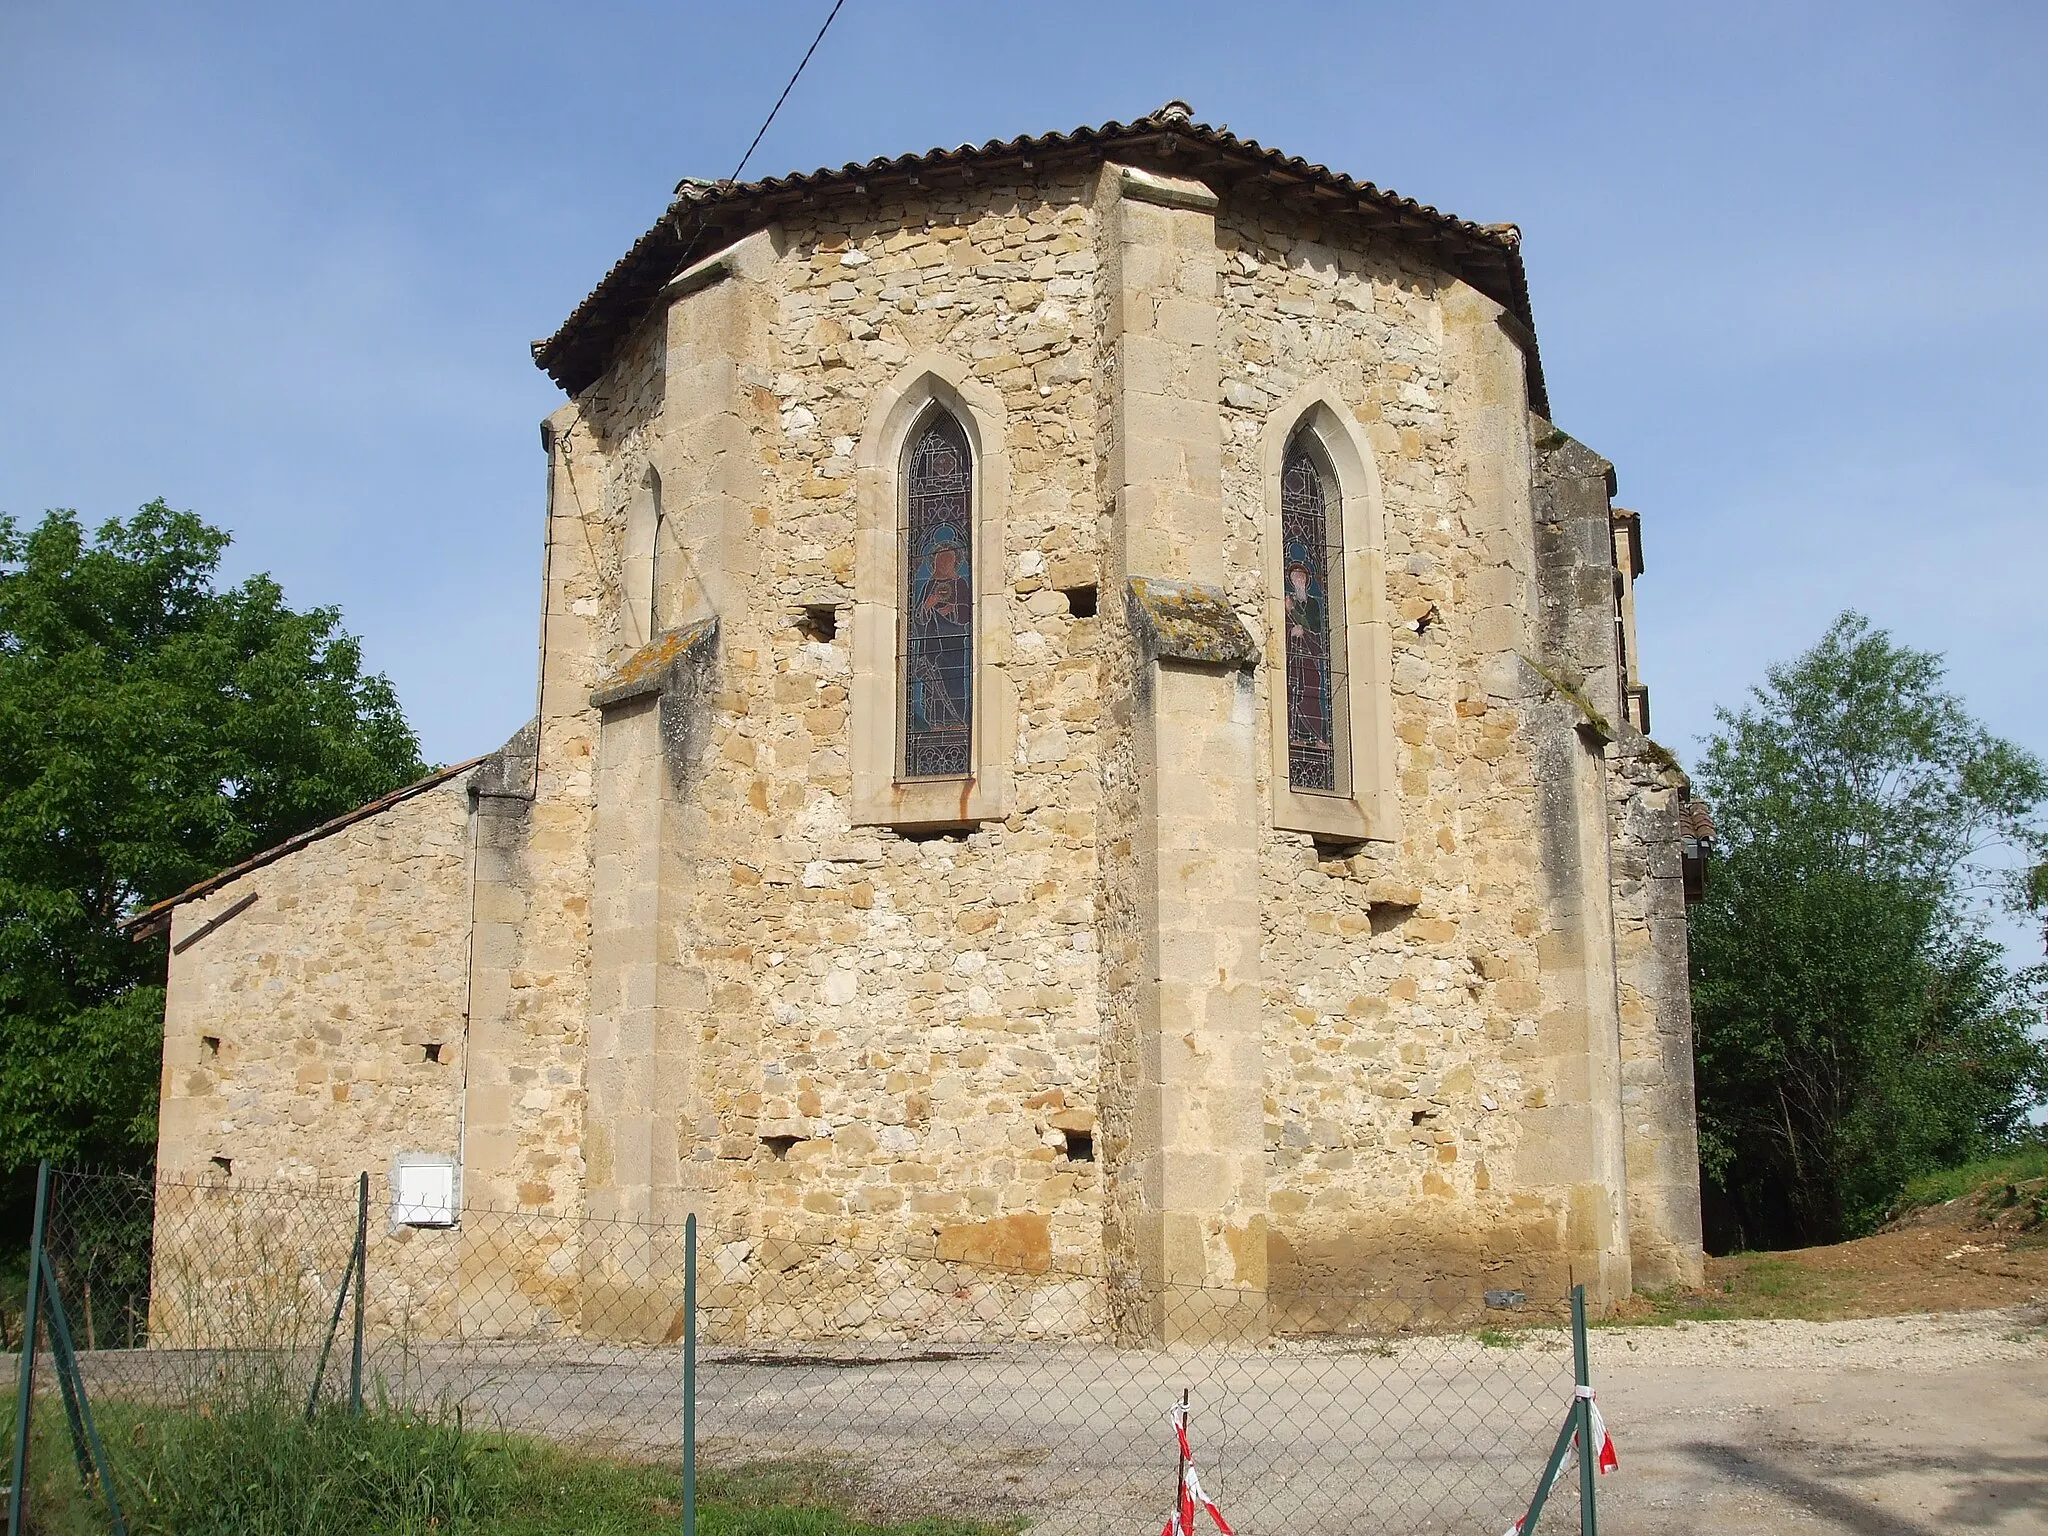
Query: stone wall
{"points": [[317, 1032], [1404, 992], [708, 975], [1661, 1124], [894, 1036]]}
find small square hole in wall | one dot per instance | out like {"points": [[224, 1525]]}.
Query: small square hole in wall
{"points": [[1080, 601], [226, 1165], [933, 834], [1080, 1146], [779, 1145], [1386, 916], [212, 1044], [818, 621], [433, 1050]]}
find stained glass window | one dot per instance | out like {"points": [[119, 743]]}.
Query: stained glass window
{"points": [[1312, 592], [936, 655]]}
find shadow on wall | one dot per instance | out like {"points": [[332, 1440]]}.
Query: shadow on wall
{"points": [[1417, 1270]]}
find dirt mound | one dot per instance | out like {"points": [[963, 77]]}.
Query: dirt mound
{"points": [[2016, 1206], [1986, 1249]]}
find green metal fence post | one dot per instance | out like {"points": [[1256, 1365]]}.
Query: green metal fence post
{"points": [[1550, 1470], [93, 1465], [690, 1375], [348, 1275], [25, 1375], [69, 1387], [1582, 1412], [362, 1256]]}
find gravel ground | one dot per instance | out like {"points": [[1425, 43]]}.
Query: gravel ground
{"points": [[1894, 1426]]}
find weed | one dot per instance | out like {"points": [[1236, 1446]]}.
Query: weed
{"points": [[261, 1470], [2022, 1165]]}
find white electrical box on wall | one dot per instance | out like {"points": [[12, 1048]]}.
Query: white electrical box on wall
{"points": [[423, 1190]]}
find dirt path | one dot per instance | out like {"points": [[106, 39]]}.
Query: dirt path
{"points": [[1900, 1426]]}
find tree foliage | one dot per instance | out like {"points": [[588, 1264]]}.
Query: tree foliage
{"points": [[154, 728], [1854, 1025]]}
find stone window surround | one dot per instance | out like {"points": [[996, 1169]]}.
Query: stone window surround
{"points": [[879, 797], [1370, 811]]}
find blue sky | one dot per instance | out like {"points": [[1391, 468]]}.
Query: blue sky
{"points": [[280, 265]]}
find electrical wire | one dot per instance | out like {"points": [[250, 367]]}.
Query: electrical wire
{"points": [[735, 176], [696, 233]]}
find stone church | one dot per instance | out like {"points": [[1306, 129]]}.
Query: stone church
{"points": [[1088, 726]]}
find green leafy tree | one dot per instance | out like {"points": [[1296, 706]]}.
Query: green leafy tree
{"points": [[1854, 1026], [154, 728]]}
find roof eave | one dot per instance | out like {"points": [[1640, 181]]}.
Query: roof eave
{"points": [[153, 920], [703, 219]]}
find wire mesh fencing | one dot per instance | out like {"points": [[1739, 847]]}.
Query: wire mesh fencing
{"points": [[904, 1381]]}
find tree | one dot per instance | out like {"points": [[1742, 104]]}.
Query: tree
{"points": [[1853, 1024], [154, 728]]}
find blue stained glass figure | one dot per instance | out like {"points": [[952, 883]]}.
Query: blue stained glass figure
{"points": [[938, 605], [1310, 554]]}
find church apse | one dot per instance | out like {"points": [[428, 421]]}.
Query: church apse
{"points": [[1047, 763]]}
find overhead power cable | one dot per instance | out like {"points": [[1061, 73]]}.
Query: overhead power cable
{"points": [[735, 176], [697, 229]]}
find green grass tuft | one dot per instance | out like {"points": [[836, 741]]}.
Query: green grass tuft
{"points": [[260, 1470], [1752, 1285], [2023, 1164]]}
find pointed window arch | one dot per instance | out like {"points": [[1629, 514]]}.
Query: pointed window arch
{"points": [[1313, 600], [934, 714], [1329, 679], [638, 561], [935, 562]]}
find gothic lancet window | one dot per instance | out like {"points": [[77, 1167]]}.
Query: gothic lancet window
{"points": [[1312, 596], [936, 632], [639, 563]]}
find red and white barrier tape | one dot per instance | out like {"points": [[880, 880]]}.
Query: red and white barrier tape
{"points": [[1604, 1461], [1183, 1521]]}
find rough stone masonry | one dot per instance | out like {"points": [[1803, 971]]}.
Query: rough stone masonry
{"points": [[1124, 1016]]}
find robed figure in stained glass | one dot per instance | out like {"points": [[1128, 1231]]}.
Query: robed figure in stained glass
{"points": [[1311, 555], [938, 604]]}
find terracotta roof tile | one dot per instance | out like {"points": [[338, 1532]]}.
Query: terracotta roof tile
{"points": [[707, 216], [153, 920]]}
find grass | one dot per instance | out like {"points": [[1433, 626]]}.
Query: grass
{"points": [[260, 1470], [2023, 1165], [1749, 1285]]}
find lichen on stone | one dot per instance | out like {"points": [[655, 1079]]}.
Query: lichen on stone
{"points": [[1186, 621], [648, 669], [1590, 718]]}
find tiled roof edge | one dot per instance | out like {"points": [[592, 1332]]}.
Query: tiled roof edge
{"points": [[1486, 255], [152, 920]]}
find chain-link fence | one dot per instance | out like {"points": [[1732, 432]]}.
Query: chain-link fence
{"points": [[989, 1386]]}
